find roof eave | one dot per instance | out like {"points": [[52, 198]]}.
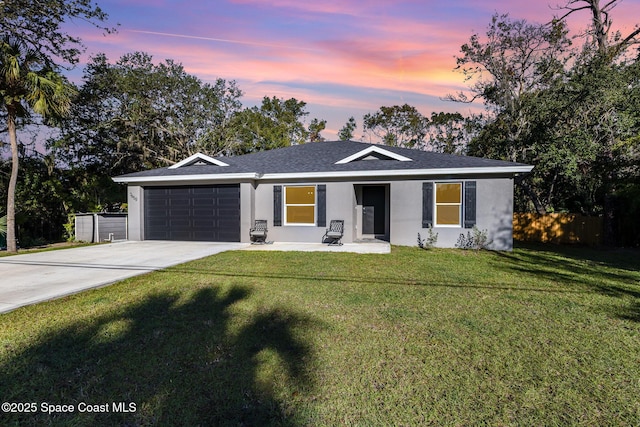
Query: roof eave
{"points": [[185, 178], [510, 170], [403, 172]]}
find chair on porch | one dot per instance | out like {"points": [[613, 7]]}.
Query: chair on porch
{"points": [[334, 233], [258, 233]]}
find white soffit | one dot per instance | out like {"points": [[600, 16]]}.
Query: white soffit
{"points": [[198, 157], [373, 149]]}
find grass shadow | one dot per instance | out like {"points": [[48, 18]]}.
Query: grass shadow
{"points": [[180, 363], [613, 273], [632, 312], [619, 258]]}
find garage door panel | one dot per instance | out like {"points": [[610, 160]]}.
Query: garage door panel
{"points": [[158, 193], [226, 236], [160, 233], [204, 203], [205, 238], [157, 223], [205, 213], [226, 223], [157, 202], [202, 225], [180, 235], [207, 191], [200, 213], [177, 212], [179, 202], [176, 223], [225, 194]]}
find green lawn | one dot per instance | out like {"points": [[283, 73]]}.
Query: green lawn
{"points": [[538, 336]]}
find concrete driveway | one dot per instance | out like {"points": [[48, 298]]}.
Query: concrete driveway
{"points": [[31, 278]]}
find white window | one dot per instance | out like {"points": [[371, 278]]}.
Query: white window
{"points": [[448, 201], [300, 205]]}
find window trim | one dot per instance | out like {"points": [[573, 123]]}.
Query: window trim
{"points": [[436, 204], [285, 221]]}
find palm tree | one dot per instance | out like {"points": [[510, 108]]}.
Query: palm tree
{"points": [[28, 82]]}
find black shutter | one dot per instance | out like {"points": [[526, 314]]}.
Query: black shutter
{"points": [[427, 204], [277, 205], [322, 205], [469, 204]]}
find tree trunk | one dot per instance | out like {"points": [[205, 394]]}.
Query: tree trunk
{"points": [[11, 191], [533, 197], [600, 25], [609, 220]]}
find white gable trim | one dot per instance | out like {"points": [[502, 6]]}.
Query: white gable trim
{"points": [[373, 149], [195, 158]]}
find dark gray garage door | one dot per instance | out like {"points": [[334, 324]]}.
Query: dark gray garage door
{"points": [[203, 213]]}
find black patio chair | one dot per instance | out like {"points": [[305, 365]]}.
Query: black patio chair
{"points": [[258, 233], [334, 233]]}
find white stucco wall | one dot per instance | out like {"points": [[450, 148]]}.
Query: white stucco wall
{"points": [[247, 208], [340, 205], [494, 211], [135, 202]]}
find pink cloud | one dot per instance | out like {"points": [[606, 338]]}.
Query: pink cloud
{"points": [[382, 55], [363, 65], [332, 7]]}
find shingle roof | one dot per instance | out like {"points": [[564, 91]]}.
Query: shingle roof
{"points": [[321, 157]]}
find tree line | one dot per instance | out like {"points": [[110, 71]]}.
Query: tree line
{"points": [[567, 105]]}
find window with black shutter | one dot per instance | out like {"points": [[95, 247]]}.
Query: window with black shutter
{"points": [[277, 205]]}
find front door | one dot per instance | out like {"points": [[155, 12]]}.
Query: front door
{"points": [[373, 209]]}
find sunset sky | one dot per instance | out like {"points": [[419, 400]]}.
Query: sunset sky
{"points": [[343, 58]]}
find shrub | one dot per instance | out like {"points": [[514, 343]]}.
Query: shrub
{"points": [[429, 241], [70, 228], [475, 239]]}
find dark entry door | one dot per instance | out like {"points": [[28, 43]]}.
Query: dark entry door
{"points": [[373, 209], [201, 213]]}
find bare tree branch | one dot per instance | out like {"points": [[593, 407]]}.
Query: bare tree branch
{"points": [[602, 23]]}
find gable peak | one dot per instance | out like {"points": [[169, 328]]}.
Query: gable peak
{"points": [[198, 159], [373, 152]]}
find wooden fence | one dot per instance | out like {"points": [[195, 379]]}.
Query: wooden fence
{"points": [[558, 228]]}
